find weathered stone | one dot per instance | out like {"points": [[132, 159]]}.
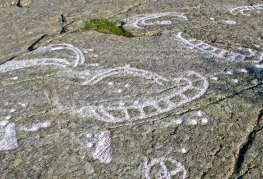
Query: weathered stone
{"points": [[165, 104]]}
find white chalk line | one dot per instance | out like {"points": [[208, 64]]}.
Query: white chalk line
{"points": [[36, 127], [140, 21], [123, 71], [79, 59]]}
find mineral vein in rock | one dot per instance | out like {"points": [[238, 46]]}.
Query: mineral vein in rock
{"points": [[79, 59], [142, 21]]}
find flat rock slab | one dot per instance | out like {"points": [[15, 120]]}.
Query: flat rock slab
{"points": [[168, 103]]}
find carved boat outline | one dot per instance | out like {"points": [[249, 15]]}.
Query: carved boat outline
{"points": [[161, 103]]}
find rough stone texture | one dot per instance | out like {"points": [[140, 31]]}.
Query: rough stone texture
{"points": [[229, 145]]}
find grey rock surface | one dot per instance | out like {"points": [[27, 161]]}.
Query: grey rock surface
{"points": [[82, 104]]}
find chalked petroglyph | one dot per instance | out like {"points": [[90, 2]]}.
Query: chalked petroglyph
{"points": [[8, 140], [99, 143], [247, 10], [241, 54], [167, 94], [78, 59], [146, 20], [175, 168]]}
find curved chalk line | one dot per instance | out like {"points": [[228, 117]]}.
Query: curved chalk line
{"points": [[79, 59], [124, 71], [140, 21]]}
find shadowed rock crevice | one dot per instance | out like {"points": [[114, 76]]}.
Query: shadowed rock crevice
{"points": [[245, 146], [33, 45]]}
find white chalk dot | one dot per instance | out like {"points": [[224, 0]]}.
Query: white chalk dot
{"points": [[8, 117], [88, 50], [204, 121], [235, 80], [127, 85], [167, 22], [14, 78], [110, 83], [89, 145], [22, 104], [192, 122], [243, 70], [230, 22], [214, 78], [184, 150], [229, 73], [258, 46], [119, 91], [212, 19], [122, 103], [12, 110], [89, 135], [199, 113], [46, 124], [178, 121]]}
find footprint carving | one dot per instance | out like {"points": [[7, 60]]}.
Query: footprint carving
{"points": [[8, 140], [100, 145]]}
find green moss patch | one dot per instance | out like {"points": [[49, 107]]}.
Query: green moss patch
{"points": [[106, 26]]}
